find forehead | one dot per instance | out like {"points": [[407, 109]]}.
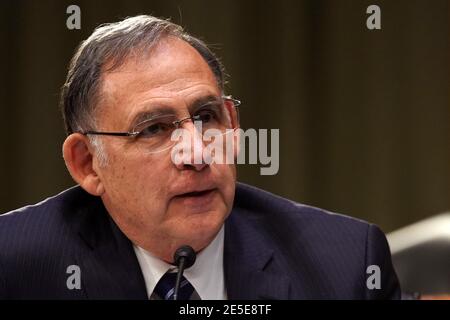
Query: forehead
{"points": [[173, 71]]}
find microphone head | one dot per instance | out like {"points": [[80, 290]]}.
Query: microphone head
{"points": [[185, 252]]}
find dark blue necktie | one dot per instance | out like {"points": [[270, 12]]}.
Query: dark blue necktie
{"points": [[166, 287]]}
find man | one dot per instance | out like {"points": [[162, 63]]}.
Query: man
{"points": [[130, 84]]}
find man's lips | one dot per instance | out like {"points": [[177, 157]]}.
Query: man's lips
{"points": [[196, 200], [196, 193]]}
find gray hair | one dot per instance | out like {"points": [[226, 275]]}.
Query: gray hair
{"points": [[111, 44]]}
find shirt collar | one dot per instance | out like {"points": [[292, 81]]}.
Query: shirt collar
{"points": [[206, 275]]}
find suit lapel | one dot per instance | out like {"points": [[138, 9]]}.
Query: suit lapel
{"points": [[109, 267], [250, 266]]}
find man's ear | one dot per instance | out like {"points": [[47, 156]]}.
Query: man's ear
{"points": [[78, 155]]}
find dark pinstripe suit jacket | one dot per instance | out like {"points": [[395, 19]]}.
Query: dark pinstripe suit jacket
{"points": [[274, 249]]}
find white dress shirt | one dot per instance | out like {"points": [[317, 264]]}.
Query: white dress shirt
{"points": [[206, 275]]}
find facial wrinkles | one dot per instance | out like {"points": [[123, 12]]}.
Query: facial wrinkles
{"points": [[176, 93]]}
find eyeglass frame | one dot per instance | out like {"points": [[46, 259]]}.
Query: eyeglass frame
{"points": [[176, 124]]}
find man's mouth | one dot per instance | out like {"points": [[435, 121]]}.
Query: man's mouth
{"points": [[197, 199], [196, 193]]}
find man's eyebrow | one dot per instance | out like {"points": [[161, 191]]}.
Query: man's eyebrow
{"points": [[167, 110], [203, 100]]}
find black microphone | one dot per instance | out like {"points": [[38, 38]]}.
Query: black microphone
{"points": [[184, 257]]}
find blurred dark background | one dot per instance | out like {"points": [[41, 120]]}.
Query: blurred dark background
{"points": [[363, 115]]}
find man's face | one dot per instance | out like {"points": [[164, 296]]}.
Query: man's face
{"points": [[145, 192]]}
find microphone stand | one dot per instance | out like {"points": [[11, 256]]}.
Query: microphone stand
{"points": [[184, 257]]}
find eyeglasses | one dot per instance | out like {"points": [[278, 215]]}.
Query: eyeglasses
{"points": [[154, 135]]}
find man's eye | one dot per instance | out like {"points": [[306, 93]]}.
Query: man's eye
{"points": [[206, 115], [154, 129]]}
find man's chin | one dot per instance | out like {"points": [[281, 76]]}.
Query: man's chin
{"points": [[198, 232]]}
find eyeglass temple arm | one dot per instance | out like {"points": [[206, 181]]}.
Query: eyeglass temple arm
{"points": [[118, 134], [236, 102]]}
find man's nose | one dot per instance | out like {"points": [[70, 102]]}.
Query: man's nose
{"points": [[193, 159]]}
